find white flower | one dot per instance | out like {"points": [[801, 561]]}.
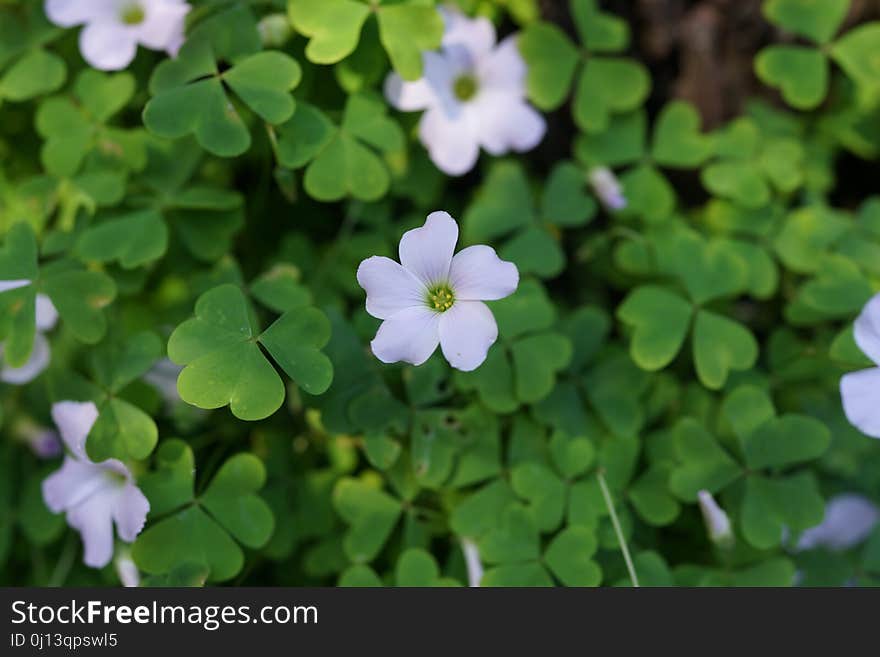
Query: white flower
{"points": [[472, 562], [607, 188], [433, 298], [94, 495], [163, 376], [849, 518], [473, 94], [860, 391], [716, 519], [126, 569], [46, 318], [114, 28]]}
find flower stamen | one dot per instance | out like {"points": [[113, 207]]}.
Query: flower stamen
{"points": [[132, 14], [465, 87], [441, 298]]}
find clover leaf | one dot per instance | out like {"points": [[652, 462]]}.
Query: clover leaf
{"points": [[190, 96], [133, 239], [514, 551], [78, 295], [676, 142], [371, 514], [605, 86], [204, 529], [122, 430], [220, 349], [771, 498], [27, 69], [522, 366], [801, 72], [74, 127], [333, 27], [504, 208], [340, 160]]}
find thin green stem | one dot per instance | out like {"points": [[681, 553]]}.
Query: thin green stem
{"points": [[65, 562], [600, 475]]}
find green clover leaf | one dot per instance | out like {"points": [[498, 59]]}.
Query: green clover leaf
{"points": [[800, 73], [371, 514], [406, 29], [28, 69], [605, 86], [208, 527], [340, 161], [220, 349], [817, 21], [189, 96]]}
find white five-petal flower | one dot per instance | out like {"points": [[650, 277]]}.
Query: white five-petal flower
{"points": [[94, 495], [849, 518], [433, 298], [114, 28], [860, 391], [46, 318], [473, 93]]}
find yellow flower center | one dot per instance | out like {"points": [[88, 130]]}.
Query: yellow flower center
{"points": [[132, 14], [465, 87], [440, 298]]}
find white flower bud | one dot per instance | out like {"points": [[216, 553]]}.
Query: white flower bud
{"points": [[274, 30], [607, 187], [717, 521]]}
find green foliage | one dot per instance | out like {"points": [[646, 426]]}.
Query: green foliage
{"points": [[214, 207]]}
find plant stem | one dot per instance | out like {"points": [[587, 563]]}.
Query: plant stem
{"points": [[600, 475], [65, 562]]}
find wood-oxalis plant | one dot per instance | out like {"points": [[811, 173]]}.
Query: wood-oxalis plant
{"points": [[396, 292]]}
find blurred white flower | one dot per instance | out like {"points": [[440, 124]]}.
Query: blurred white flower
{"points": [[46, 318], [94, 495], [716, 519], [607, 188], [163, 376], [44, 443], [472, 562], [433, 298], [860, 391], [126, 569], [849, 518], [473, 93], [114, 28]]}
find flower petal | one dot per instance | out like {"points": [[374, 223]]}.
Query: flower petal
{"points": [[5, 286], [849, 518], [93, 519], [130, 512], [410, 336], [72, 484], [433, 88], [504, 69], [108, 46], [867, 329], [67, 13], [390, 288], [478, 274], [507, 123], [36, 363], [427, 251], [47, 315], [860, 394], [163, 24], [476, 36], [467, 330], [74, 421], [450, 141]]}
